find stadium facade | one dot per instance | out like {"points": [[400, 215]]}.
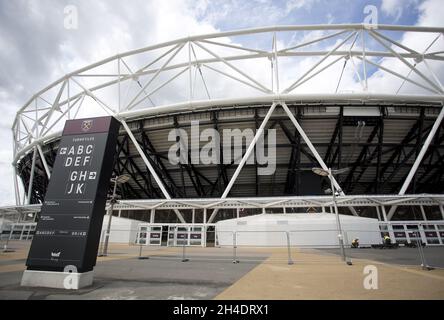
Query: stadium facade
{"points": [[293, 79]]}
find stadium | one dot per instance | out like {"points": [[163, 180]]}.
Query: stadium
{"points": [[351, 97]]}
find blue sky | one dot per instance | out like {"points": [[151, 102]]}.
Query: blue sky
{"points": [[227, 15]]}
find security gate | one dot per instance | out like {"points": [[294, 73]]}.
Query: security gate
{"points": [[149, 235], [186, 235], [430, 233], [152, 234]]}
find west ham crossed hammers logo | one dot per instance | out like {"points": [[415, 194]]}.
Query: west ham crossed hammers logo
{"points": [[86, 125]]}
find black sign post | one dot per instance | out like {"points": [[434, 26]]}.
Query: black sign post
{"points": [[70, 223]]}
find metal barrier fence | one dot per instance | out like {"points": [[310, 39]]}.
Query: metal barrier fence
{"points": [[194, 243], [232, 246], [405, 232]]}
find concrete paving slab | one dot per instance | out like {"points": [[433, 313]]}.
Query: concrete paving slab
{"points": [[327, 277], [263, 273], [123, 276], [400, 256]]}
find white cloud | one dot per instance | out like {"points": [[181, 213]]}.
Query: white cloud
{"points": [[395, 8], [431, 13], [298, 4], [392, 7]]}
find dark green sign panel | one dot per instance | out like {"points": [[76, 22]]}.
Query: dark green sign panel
{"points": [[68, 230]]}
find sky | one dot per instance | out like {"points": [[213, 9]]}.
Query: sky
{"points": [[36, 48]]}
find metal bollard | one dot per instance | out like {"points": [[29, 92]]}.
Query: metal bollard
{"points": [[5, 247], [234, 248], [100, 251], [183, 254], [140, 253], [424, 264], [290, 261], [348, 260]]}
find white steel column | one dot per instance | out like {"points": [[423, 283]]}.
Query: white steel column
{"points": [[276, 67], [152, 215], [378, 214], [259, 132], [314, 151], [16, 187], [422, 233], [389, 225], [418, 159], [309, 144], [424, 217], [45, 164], [150, 167], [363, 32], [119, 98], [247, 154], [422, 152], [204, 222], [31, 178], [384, 213], [441, 208]]}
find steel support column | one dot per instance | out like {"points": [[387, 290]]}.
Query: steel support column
{"points": [[309, 144], [31, 178], [422, 152], [314, 151], [16, 187], [150, 167], [379, 151], [419, 143], [247, 154], [42, 158], [152, 215], [418, 159]]}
